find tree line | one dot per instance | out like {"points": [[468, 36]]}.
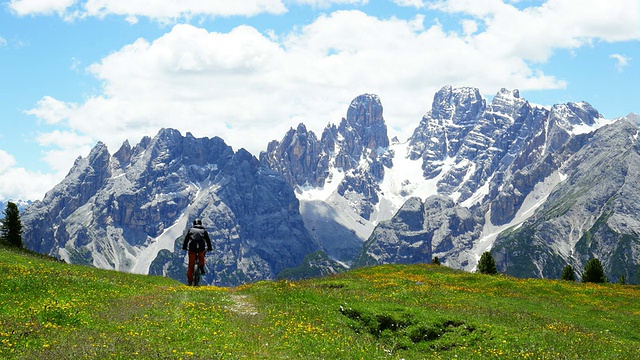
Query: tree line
{"points": [[593, 270]]}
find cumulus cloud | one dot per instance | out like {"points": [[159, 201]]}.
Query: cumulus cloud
{"points": [[621, 61], [17, 183], [162, 10], [6, 161], [535, 32], [64, 146], [52, 111], [328, 3], [40, 7], [242, 83], [410, 3]]}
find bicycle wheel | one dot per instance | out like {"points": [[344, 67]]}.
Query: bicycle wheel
{"points": [[196, 274]]}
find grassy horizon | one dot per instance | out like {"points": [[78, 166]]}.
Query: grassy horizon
{"points": [[51, 310]]}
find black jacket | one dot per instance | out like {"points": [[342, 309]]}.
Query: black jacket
{"points": [[196, 239]]}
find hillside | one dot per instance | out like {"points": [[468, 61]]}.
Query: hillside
{"points": [[51, 310]]}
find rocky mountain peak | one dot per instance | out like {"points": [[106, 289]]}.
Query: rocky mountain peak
{"points": [[570, 114], [123, 155], [133, 219], [98, 152], [303, 159], [346, 164], [365, 111], [505, 93], [457, 104], [298, 157], [364, 127], [509, 106]]}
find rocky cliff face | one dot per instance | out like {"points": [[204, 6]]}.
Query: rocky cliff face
{"points": [[122, 211], [592, 213], [538, 187], [420, 229], [479, 169], [338, 176]]}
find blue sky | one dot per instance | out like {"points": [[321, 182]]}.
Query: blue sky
{"points": [[75, 72]]}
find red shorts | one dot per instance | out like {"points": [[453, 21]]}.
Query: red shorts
{"points": [[192, 263]]}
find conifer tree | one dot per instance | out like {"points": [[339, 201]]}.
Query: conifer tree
{"points": [[11, 227], [594, 272], [568, 273], [435, 261], [487, 265]]}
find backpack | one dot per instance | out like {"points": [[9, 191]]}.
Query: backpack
{"points": [[196, 240]]}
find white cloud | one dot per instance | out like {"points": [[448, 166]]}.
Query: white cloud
{"points": [[410, 3], [40, 7], [621, 61], [3, 42], [535, 32], [65, 147], [17, 183], [63, 139], [469, 27], [328, 3], [6, 161], [171, 9], [243, 83], [162, 10], [52, 111]]}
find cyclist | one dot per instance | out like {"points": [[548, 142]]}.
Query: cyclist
{"points": [[196, 242]]}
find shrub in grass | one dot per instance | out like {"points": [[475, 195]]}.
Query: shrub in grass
{"points": [[402, 327]]}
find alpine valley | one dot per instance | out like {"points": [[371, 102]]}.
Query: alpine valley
{"points": [[538, 187]]}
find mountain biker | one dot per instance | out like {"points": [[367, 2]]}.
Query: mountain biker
{"points": [[195, 241]]}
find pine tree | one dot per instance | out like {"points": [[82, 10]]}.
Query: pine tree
{"points": [[487, 265], [11, 227], [594, 272], [435, 261], [568, 273]]}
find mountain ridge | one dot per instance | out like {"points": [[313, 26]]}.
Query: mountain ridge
{"points": [[487, 167], [121, 211], [498, 161]]}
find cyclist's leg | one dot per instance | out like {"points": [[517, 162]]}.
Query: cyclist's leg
{"points": [[192, 263]]}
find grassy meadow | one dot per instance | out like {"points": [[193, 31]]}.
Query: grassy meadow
{"points": [[51, 310]]}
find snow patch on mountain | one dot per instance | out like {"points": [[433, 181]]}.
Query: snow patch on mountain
{"points": [[310, 193], [532, 202], [341, 210], [583, 128], [405, 179], [165, 241], [479, 195]]}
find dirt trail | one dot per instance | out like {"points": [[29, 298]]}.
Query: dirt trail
{"points": [[242, 305]]}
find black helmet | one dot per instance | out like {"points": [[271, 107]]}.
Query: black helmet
{"points": [[197, 222]]}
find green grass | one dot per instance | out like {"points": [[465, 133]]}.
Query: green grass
{"points": [[51, 310]]}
